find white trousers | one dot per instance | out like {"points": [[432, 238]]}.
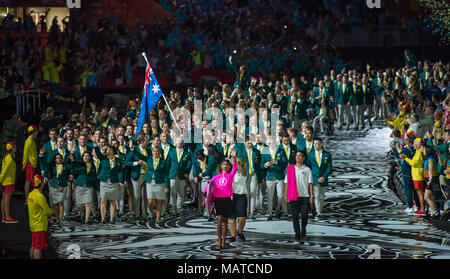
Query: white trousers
{"points": [[344, 110], [177, 190], [278, 186], [252, 189], [140, 196], [319, 197]]}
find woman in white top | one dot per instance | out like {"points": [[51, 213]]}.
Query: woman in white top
{"points": [[239, 201]]}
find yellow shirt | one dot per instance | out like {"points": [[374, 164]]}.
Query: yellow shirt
{"points": [[59, 169], [38, 210], [416, 164], [155, 163], [30, 152], [8, 174]]}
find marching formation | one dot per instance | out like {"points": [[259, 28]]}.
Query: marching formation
{"points": [[95, 161]]}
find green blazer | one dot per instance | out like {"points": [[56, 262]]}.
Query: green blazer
{"points": [[46, 160], [159, 175], [211, 167], [115, 175], [100, 155], [324, 170], [256, 162], [369, 95], [77, 154], [63, 178], [82, 178], [179, 169], [43, 161], [347, 95], [377, 89], [358, 95], [292, 151], [132, 157], [318, 102], [301, 108], [274, 171], [237, 146]]}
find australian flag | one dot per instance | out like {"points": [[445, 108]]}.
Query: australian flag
{"points": [[150, 96]]}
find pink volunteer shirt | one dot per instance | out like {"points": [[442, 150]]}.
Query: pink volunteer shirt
{"points": [[224, 184]]}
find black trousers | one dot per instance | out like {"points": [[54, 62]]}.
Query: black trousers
{"points": [[298, 207]]}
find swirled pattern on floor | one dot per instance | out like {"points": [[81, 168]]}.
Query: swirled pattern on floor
{"points": [[360, 211]]}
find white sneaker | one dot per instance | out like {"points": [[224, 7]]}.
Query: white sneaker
{"points": [[409, 210], [415, 208]]}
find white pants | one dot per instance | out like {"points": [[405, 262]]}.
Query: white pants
{"points": [[319, 197], [359, 115], [140, 196], [68, 200], [177, 190], [378, 105], [344, 109], [369, 110], [385, 109], [203, 184], [320, 118], [354, 112], [277, 185], [252, 189]]}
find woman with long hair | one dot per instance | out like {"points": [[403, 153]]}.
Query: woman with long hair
{"points": [[222, 193], [146, 130], [431, 176], [8, 180], [239, 201]]}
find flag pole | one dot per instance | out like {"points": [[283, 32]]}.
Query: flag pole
{"points": [[171, 113]]}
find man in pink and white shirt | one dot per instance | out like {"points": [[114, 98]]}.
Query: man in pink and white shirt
{"points": [[299, 189]]}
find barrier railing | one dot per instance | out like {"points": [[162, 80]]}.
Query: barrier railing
{"points": [[28, 100]]}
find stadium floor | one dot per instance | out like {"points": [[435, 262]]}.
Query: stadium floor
{"points": [[360, 212]]}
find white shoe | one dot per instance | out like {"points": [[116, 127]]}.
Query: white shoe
{"points": [[415, 208], [409, 210]]}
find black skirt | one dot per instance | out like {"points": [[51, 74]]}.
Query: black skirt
{"points": [[224, 206], [239, 206]]}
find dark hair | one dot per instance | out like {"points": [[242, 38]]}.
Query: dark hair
{"points": [[319, 139], [410, 138], [140, 138], [301, 151], [113, 148], [200, 153], [219, 166], [90, 157], [396, 133], [310, 128], [212, 151], [429, 151]]}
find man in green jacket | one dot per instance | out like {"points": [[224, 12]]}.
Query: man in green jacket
{"points": [[180, 162], [137, 161], [274, 161], [252, 158], [321, 165]]}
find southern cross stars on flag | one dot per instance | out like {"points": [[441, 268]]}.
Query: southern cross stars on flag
{"points": [[148, 102]]}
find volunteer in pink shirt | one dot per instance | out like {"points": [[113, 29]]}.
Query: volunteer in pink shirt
{"points": [[299, 189], [223, 191]]}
